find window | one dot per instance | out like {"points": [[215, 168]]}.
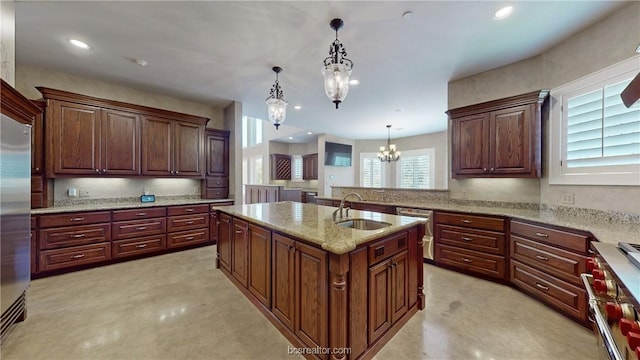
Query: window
{"points": [[251, 131], [296, 168], [415, 169], [595, 139], [371, 170]]}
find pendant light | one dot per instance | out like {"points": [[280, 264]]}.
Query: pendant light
{"points": [[337, 68], [389, 153], [276, 104]]}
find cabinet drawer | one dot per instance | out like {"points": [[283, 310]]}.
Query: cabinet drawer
{"points": [[217, 193], [74, 256], [74, 219], [136, 228], [217, 182], [186, 238], [479, 240], [564, 239], [564, 264], [485, 264], [36, 184], [187, 209], [474, 221], [145, 213], [74, 235], [569, 299], [383, 249], [137, 246], [179, 223]]}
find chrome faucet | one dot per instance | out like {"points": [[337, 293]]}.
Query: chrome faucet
{"points": [[339, 209]]}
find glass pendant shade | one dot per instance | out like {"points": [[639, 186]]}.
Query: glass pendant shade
{"points": [[277, 110], [336, 82]]}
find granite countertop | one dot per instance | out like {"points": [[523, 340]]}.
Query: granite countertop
{"points": [[603, 229], [314, 223], [109, 204]]}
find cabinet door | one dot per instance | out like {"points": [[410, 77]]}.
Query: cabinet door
{"points": [[311, 295], [510, 143], [310, 167], [75, 139], [37, 142], [120, 143], [283, 279], [239, 251], [213, 225], [399, 285], [260, 264], [224, 242], [280, 167], [470, 145], [217, 155], [157, 146], [379, 294], [189, 150]]}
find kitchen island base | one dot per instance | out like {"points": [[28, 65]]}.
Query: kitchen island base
{"points": [[329, 305]]}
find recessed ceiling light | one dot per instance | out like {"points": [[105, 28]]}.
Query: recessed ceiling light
{"points": [[297, 107], [503, 13], [354, 82], [309, 133], [140, 62], [79, 44], [399, 110], [290, 137]]}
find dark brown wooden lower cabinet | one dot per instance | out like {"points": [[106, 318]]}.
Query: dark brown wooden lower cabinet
{"points": [[239, 266], [74, 256], [388, 294], [138, 246], [283, 273], [225, 238], [311, 295], [259, 282]]}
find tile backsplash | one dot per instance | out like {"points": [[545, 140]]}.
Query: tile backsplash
{"points": [[101, 188]]}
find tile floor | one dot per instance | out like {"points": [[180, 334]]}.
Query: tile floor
{"points": [[178, 306]]}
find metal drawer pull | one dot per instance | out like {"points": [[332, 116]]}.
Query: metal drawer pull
{"points": [[189, 210], [141, 228], [542, 235], [189, 223], [141, 214], [466, 221], [141, 246], [467, 238], [189, 238], [76, 219], [542, 257], [238, 231], [77, 256], [77, 236], [466, 260], [540, 286]]}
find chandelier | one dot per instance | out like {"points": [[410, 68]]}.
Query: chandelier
{"points": [[388, 153], [276, 104], [337, 68]]}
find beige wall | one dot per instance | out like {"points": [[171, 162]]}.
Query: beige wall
{"points": [[28, 77], [605, 43], [8, 41]]}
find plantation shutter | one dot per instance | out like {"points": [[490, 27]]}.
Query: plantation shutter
{"points": [[371, 172], [414, 172], [601, 131]]}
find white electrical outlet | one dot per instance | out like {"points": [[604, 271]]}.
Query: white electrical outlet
{"points": [[567, 198], [73, 192], [84, 193]]}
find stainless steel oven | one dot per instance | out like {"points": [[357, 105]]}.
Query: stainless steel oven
{"points": [[612, 283], [427, 239]]}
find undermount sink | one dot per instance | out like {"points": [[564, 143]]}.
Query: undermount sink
{"points": [[363, 224]]}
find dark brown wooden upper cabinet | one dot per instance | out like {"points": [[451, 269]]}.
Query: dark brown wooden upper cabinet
{"points": [[310, 167], [217, 150], [120, 143], [189, 149], [499, 138], [280, 167], [37, 141]]}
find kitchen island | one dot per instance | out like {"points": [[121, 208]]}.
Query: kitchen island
{"points": [[326, 285]]}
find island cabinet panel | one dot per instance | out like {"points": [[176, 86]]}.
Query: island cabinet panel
{"points": [[225, 238], [283, 273], [259, 282], [311, 323], [358, 291], [239, 251]]}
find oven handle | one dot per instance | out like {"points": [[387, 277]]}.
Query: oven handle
{"points": [[601, 323]]}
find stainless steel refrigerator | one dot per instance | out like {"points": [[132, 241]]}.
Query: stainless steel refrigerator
{"points": [[15, 207]]}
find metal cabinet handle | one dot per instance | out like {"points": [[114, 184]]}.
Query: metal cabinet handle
{"points": [[141, 214], [238, 231], [540, 286], [189, 223], [466, 260], [466, 221], [98, 171], [140, 246], [140, 228], [189, 238], [467, 238], [76, 219], [104, 171], [484, 169], [189, 210], [491, 169], [77, 256], [78, 236], [542, 257], [542, 235]]}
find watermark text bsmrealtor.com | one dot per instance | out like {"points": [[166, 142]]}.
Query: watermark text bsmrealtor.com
{"points": [[318, 351]]}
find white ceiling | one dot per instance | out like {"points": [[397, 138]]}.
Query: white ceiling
{"points": [[218, 51]]}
